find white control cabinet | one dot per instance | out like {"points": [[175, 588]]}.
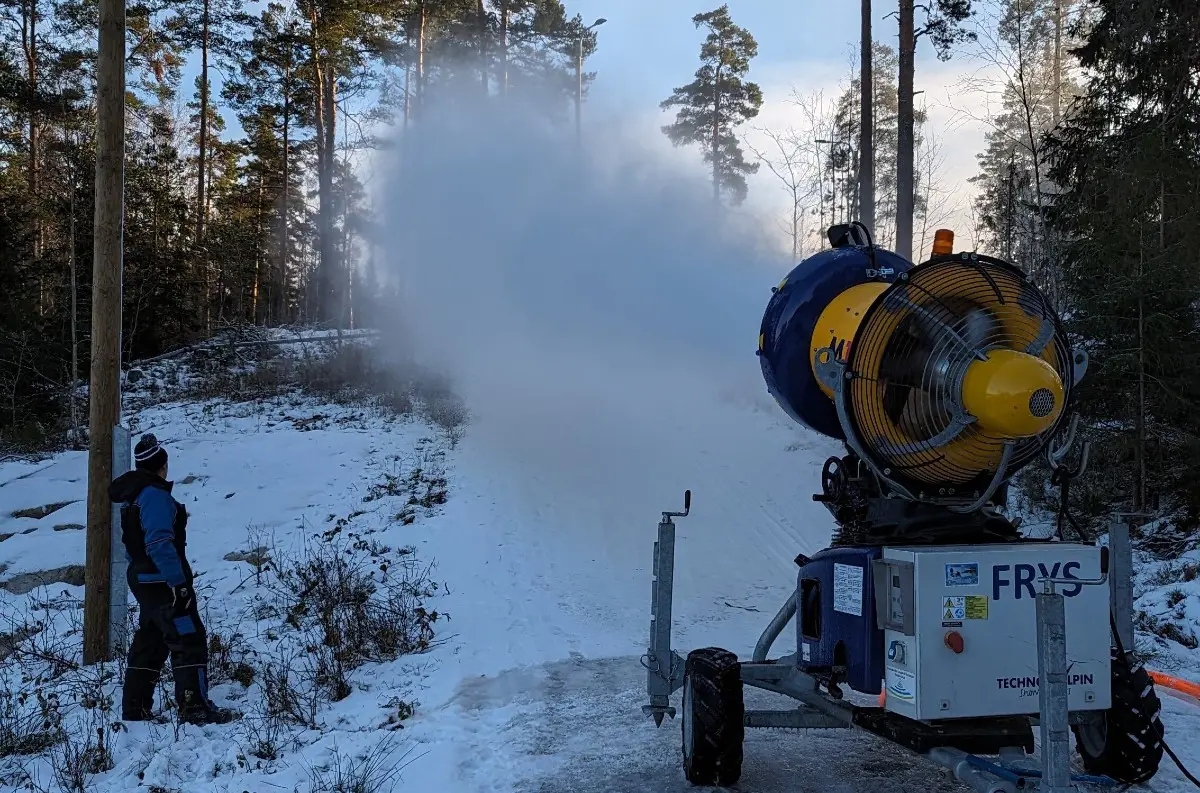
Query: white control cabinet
{"points": [[960, 629]]}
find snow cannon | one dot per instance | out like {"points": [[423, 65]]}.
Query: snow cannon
{"points": [[943, 378]]}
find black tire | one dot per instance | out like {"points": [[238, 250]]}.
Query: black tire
{"points": [[713, 714], [1125, 742]]}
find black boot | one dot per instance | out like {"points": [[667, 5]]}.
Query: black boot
{"points": [[191, 692], [137, 694]]}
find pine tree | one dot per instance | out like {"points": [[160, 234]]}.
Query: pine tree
{"points": [[717, 101], [1130, 217], [346, 38], [274, 102]]}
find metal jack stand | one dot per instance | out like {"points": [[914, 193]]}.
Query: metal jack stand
{"points": [[664, 664], [1054, 709], [1054, 712]]}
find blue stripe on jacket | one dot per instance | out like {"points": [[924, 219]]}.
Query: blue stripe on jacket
{"points": [[157, 510]]}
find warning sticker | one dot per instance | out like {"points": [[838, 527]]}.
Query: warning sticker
{"points": [[976, 607], [848, 589], [954, 608]]}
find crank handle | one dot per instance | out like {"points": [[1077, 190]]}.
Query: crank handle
{"points": [[687, 507]]}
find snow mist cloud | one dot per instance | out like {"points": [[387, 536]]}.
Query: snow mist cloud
{"points": [[590, 304]]}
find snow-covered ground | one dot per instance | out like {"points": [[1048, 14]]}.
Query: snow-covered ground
{"points": [[536, 683]]}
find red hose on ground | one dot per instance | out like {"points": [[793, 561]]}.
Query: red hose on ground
{"points": [[1175, 684]]}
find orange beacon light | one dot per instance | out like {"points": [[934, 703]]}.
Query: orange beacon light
{"points": [[943, 242]]}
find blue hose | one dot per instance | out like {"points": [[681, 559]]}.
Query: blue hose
{"points": [[1018, 777]]}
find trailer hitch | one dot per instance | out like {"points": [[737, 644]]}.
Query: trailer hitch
{"points": [[664, 666]]}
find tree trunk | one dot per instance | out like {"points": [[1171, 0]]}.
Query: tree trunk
{"points": [[409, 71], [202, 172], [325, 117], [348, 270], [30, 42], [481, 24], [1056, 88], [866, 145], [258, 255], [422, 20], [329, 271], [202, 154], [716, 135], [280, 296], [1010, 207], [74, 315], [1139, 451], [905, 137], [504, 48]]}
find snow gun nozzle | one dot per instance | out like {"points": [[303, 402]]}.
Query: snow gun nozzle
{"points": [[687, 507]]}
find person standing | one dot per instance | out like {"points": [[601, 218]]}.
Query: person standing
{"points": [[154, 533]]}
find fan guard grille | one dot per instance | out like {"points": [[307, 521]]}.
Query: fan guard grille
{"points": [[910, 354]]}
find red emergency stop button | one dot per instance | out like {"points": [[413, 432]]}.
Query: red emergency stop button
{"points": [[954, 641]]}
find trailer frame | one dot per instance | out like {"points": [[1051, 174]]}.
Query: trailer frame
{"points": [[955, 745]]}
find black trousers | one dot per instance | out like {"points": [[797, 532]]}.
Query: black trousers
{"points": [[163, 633]]}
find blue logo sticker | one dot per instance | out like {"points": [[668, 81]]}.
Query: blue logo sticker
{"points": [[898, 686], [962, 574]]}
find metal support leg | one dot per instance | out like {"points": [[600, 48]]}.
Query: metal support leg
{"points": [[1120, 578], [118, 596], [664, 667], [1054, 706]]}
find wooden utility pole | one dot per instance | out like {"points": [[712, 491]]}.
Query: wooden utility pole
{"points": [[866, 143], [905, 137], [105, 387]]}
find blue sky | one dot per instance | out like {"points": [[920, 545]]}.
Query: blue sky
{"points": [[648, 47]]}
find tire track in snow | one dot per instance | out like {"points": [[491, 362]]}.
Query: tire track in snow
{"points": [[579, 729]]}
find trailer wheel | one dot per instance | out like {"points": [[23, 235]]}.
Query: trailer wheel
{"points": [[712, 718], [1124, 742]]}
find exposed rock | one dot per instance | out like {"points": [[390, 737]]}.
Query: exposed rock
{"points": [[256, 557], [5, 535], [69, 527], [37, 513], [24, 583]]}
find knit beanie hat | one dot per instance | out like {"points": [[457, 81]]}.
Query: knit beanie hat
{"points": [[148, 455]]}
